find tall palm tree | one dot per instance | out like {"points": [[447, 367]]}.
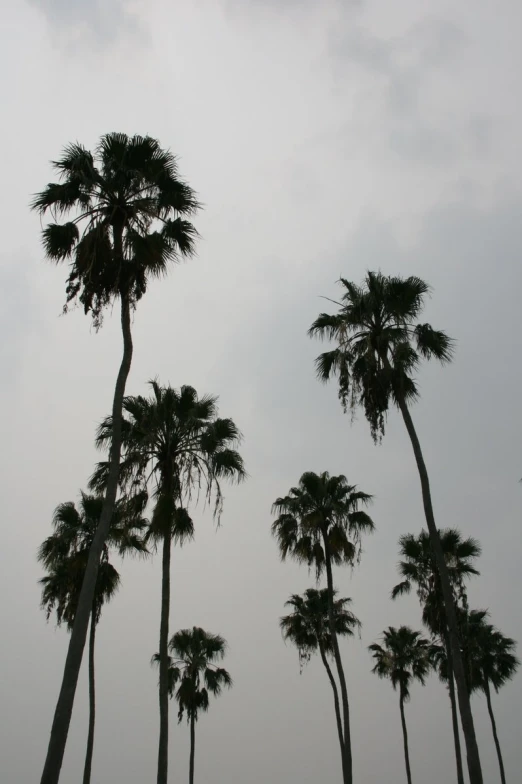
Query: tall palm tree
{"points": [[308, 628], [489, 657], [380, 343], [118, 219], [193, 670], [174, 441], [403, 657], [320, 523], [418, 569], [65, 553]]}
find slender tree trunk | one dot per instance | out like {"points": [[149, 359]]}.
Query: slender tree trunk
{"points": [[454, 716], [163, 748], [494, 728], [192, 748], [405, 737], [474, 768], [336, 701], [347, 767], [64, 706], [92, 701]]}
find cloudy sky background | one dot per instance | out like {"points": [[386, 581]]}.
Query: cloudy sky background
{"points": [[323, 139]]}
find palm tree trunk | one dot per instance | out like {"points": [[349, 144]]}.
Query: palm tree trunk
{"points": [[336, 700], [92, 702], [163, 748], [347, 747], [405, 737], [494, 728], [64, 706], [454, 716], [474, 768], [192, 748]]}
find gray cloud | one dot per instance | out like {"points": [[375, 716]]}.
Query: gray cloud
{"points": [[97, 21]]}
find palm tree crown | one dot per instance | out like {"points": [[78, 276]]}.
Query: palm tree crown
{"points": [[321, 506], [380, 342], [193, 669], [307, 627], [403, 657], [65, 552], [418, 568], [128, 206], [174, 439]]}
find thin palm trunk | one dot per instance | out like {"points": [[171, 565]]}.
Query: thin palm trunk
{"points": [[454, 716], [405, 738], [347, 747], [336, 701], [64, 706], [163, 748], [192, 748], [92, 702], [494, 728], [473, 758]]}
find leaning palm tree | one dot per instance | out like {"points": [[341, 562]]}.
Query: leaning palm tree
{"points": [[65, 553], [308, 628], [193, 670], [175, 442], [118, 218], [403, 657], [418, 569], [380, 343], [490, 659], [320, 523]]}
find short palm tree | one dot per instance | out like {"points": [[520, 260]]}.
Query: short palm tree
{"points": [[308, 628], [174, 441], [403, 657], [64, 554], [118, 219], [490, 658], [193, 675], [320, 522], [380, 343], [418, 569]]}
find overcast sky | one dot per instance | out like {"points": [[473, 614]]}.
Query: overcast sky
{"points": [[324, 139]]}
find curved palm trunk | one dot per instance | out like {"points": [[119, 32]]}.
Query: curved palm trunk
{"points": [[192, 748], [494, 728], [347, 746], [405, 737], [474, 768], [92, 702], [336, 701], [163, 749], [64, 706], [454, 716]]}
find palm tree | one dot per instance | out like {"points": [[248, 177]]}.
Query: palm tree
{"points": [[308, 628], [402, 658], [65, 553], [320, 523], [418, 569], [126, 209], [380, 343], [490, 659], [175, 441], [192, 668]]}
